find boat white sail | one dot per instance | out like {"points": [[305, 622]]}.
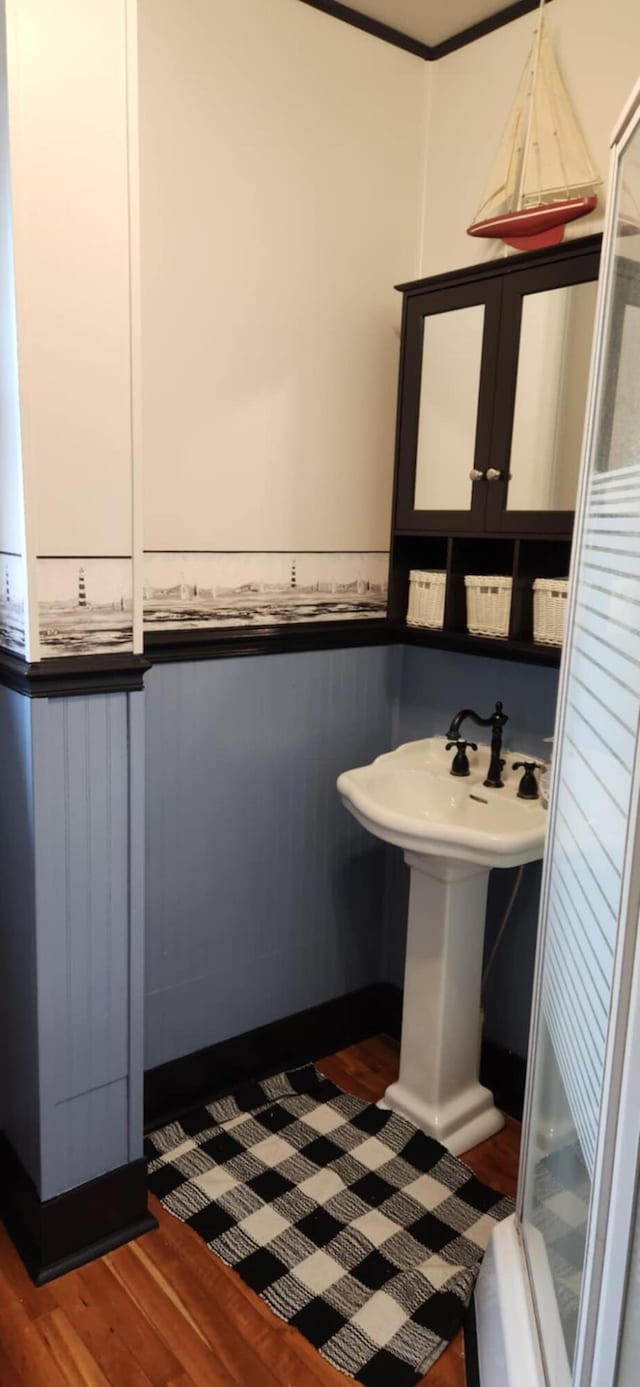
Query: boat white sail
{"points": [[542, 176], [501, 190]]}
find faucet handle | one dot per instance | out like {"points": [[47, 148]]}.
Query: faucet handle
{"points": [[460, 763], [528, 787]]}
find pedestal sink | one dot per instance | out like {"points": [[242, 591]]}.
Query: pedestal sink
{"points": [[453, 832]]}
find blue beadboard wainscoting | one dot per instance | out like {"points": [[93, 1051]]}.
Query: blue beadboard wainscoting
{"points": [[198, 820], [19, 1069], [72, 819], [264, 897]]}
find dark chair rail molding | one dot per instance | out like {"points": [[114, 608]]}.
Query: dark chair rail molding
{"points": [[430, 52], [89, 674], [96, 674], [77, 674], [206, 643]]}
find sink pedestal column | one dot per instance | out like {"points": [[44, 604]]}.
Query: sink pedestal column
{"points": [[438, 1087]]}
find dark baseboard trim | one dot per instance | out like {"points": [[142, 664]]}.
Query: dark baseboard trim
{"points": [[429, 52], [77, 674], [211, 643], [171, 1089], [471, 1359], [56, 1235], [505, 1074]]}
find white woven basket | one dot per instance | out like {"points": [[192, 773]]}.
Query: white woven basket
{"points": [[550, 610], [488, 604], [426, 597]]}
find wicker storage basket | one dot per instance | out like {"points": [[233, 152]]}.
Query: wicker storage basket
{"points": [[426, 597], [549, 610], [488, 604]]}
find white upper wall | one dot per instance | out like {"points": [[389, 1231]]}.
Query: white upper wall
{"points": [[598, 49], [281, 158], [69, 165], [282, 173], [11, 497]]}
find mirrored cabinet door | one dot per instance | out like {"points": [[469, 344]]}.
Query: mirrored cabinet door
{"points": [[547, 323], [446, 399]]}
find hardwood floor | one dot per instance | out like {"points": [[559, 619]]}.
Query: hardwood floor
{"points": [[163, 1312]]}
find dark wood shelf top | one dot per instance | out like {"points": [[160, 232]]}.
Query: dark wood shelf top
{"points": [[535, 537], [527, 652], [503, 267]]}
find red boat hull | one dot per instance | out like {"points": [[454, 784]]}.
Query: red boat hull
{"points": [[531, 228]]}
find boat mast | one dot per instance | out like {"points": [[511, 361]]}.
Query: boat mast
{"points": [[527, 139]]}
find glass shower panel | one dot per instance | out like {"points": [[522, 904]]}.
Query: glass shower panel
{"points": [[627, 1374], [591, 802]]}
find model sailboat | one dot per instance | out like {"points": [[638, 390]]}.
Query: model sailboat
{"points": [[542, 177]]}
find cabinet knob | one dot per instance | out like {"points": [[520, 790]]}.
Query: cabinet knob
{"points": [[492, 475], [475, 475]]}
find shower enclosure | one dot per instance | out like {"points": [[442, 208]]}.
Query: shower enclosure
{"points": [[558, 1300]]}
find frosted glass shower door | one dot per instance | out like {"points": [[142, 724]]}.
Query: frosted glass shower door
{"points": [[592, 823]]}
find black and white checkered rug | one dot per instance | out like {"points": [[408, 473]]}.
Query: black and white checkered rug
{"points": [[352, 1225]]}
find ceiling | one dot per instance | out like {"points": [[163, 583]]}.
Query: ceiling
{"points": [[429, 21]]}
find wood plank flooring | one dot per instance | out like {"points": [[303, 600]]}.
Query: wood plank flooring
{"points": [[163, 1312]]}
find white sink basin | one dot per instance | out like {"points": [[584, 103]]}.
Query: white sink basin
{"points": [[408, 797], [452, 831]]}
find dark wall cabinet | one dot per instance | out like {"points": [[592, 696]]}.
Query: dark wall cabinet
{"points": [[493, 383]]}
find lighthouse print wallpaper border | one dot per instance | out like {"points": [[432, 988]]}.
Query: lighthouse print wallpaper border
{"points": [[226, 589], [12, 584], [84, 606]]}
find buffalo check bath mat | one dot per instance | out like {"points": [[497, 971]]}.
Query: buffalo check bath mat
{"points": [[352, 1225]]}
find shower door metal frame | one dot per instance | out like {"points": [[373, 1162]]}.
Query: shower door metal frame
{"points": [[617, 1165], [605, 1303]]}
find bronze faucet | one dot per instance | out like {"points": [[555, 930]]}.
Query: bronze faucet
{"points": [[496, 722]]}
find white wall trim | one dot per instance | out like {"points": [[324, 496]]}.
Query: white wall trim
{"points": [[137, 455], [23, 317]]}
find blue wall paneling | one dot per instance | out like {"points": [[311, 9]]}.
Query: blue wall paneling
{"points": [[72, 798], [263, 894], [19, 1068]]}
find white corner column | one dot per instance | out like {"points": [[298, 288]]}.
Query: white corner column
{"points": [[74, 743], [69, 212], [438, 1086]]}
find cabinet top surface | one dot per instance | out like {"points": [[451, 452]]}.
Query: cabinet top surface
{"points": [[504, 265]]}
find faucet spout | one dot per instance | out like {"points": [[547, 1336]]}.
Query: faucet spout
{"points": [[496, 722], [456, 723]]}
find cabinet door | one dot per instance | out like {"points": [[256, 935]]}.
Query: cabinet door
{"points": [[446, 402], [546, 331]]}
